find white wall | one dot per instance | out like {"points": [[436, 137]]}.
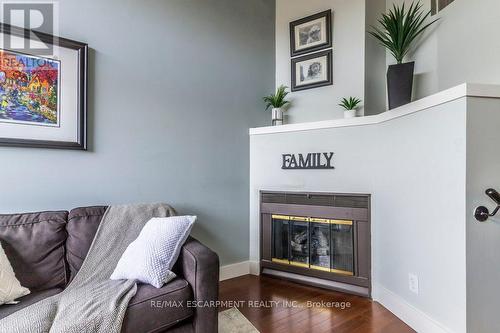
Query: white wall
{"points": [[348, 56], [375, 62], [462, 47], [414, 167]]}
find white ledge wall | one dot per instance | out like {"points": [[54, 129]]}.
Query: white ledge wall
{"points": [[413, 162], [463, 90]]}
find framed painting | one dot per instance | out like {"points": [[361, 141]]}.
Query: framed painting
{"points": [[438, 5], [312, 71], [43, 98], [312, 33]]}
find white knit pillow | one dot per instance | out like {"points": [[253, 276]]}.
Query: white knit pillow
{"points": [[149, 258], [10, 288]]}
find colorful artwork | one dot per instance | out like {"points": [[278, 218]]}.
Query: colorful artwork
{"points": [[29, 89]]}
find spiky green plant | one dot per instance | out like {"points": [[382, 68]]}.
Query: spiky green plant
{"points": [[277, 100], [400, 28], [350, 103]]}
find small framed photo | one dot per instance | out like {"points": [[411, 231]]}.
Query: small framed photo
{"points": [[312, 71], [312, 33], [438, 5], [43, 95]]}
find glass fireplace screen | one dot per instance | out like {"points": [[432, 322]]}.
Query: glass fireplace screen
{"points": [[322, 244]]}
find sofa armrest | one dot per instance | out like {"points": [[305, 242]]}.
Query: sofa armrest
{"points": [[200, 268]]}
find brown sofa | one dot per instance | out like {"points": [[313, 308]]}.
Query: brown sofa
{"points": [[47, 249]]}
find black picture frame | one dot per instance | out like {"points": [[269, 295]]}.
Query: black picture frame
{"points": [[438, 5], [327, 15], [329, 80], [82, 88]]}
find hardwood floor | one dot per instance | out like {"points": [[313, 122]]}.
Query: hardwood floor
{"points": [[292, 313]]}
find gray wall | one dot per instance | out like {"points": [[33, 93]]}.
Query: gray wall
{"points": [[174, 87]]}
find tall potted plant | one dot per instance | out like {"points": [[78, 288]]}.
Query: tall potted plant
{"points": [[277, 101], [399, 29]]}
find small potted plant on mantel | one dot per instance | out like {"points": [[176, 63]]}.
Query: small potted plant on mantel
{"points": [[400, 27], [350, 106], [278, 102]]}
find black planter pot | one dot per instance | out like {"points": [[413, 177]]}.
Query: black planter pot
{"points": [[400, 84]]}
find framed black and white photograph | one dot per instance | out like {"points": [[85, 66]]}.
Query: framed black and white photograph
{"points": [[312, 71], [312, 33], [438, 5], [43, 90]]}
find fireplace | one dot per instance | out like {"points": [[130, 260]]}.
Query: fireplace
{"points": [[321, 239]]}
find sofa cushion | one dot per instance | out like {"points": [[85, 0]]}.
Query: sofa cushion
{"points": [[82, 226], [34, 244], [32, 298], [152, 309]]}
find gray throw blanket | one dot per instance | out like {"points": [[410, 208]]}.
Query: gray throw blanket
{"points": [[92, 302]]}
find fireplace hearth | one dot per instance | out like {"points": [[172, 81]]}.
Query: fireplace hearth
{"points": [[321, 239]]}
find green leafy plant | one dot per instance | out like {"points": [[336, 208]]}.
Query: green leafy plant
{"points": [[400, 28], [277, 100], [350, 103]]}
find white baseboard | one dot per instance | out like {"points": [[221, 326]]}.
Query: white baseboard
{"points": [[254, 267], [238, 269], [413, 317]]}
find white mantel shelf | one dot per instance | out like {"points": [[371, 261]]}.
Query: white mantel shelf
{"points": [[460, 91]]}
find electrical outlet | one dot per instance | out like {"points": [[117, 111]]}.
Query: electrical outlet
{"points": [[413, 283]]}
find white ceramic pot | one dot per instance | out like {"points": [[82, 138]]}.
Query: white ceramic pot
{"points": [[349, 113], [277, 116]]}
